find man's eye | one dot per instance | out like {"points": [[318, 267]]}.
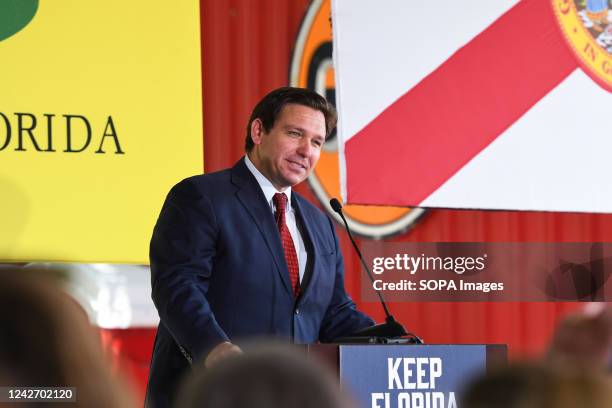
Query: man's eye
{"points": [[294, 133]]}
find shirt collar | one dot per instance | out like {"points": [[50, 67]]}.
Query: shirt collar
{"points": [[266, 186]]}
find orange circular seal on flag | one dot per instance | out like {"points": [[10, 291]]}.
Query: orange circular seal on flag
{"points": [[312, 67], [586, 26]]}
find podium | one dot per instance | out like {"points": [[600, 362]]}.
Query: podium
{"points": [[408, 375]]}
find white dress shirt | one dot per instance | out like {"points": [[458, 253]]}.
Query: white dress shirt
{"points": [[269, 190]]}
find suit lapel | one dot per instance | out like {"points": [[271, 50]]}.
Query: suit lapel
{"points": [[251, 197], [306, 231]]}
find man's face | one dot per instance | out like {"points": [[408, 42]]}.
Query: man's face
{"points": [[289, 151]]}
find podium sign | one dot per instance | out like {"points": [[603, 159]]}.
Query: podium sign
{"points": [[423, 376]]}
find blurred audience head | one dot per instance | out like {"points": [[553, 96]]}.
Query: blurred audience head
{"points": [[538, 386], [46, 340], [583, 340], [265, 376]]}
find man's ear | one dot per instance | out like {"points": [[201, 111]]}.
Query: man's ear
{"points": [[257, 131]]}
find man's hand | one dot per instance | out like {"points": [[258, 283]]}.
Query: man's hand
{"points": [[221, 351]]}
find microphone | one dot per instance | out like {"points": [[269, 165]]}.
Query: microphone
{"points": [[391, 328]]}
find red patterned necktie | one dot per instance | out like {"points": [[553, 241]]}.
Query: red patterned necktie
{"points": [[280, 202]]}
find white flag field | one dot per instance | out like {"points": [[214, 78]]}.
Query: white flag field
{"points": [[475, 104]]}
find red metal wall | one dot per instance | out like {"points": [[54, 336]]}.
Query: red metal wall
{"points": [[246, 48]]}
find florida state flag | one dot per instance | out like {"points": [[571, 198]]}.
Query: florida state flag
{"points": [[473, 104]]}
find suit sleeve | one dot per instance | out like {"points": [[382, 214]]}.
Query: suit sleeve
{"points": [[342, 317], [181, 253]]}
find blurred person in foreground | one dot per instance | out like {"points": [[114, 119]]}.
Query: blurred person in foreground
{"points": [[583, 340], [265, 376], [46, 340], [574, 373], [238, 254], [539, 386]]}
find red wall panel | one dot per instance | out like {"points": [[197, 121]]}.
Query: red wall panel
{"points": [[246, 47], [129, 352]]}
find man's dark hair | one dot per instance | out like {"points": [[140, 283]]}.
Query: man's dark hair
{"points": [[268, 109]]}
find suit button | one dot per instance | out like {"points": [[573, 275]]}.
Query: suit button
{"points": [[297, 311]]}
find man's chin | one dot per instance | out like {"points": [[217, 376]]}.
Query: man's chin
{"points": [[297, 177], [295, 182]]}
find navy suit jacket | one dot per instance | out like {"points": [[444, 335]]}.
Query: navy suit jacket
{"points": [[219, 274]]}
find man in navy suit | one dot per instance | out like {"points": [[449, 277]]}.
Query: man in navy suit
{"points": [[237, 254]]}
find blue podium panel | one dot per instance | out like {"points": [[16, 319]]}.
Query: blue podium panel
{"points": [[414, 376]]}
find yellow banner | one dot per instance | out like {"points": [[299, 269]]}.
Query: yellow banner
{"points": [[100, 114]]}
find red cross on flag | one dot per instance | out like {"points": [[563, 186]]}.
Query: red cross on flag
{"points": [[475, 104]]}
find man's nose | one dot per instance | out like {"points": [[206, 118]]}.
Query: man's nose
{"points": [[304, 148]]}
